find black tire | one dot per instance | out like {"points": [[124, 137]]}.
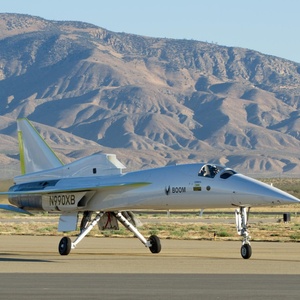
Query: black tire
{"points": [[155, 244], [246, 251], [64, 246]]}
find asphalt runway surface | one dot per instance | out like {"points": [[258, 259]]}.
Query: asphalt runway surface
{"points": [[122, 268]]}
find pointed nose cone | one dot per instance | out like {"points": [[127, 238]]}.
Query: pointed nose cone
{"points": [[254, 192], [281, 197]]}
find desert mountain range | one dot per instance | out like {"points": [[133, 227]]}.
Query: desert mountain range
{"points": [[152, 101]]}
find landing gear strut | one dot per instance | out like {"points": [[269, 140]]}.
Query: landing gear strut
{"points": [[65, 244], [153, 243], [241, 218]]}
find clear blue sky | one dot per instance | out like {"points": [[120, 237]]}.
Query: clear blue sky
{"points": [[269, 26]]}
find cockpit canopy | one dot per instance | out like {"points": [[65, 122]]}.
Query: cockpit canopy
{"points": [[210, 171]]}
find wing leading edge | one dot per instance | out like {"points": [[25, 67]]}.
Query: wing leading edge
{"points": [[120, 186], [14, 209]]}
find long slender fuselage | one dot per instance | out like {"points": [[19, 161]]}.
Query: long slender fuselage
{"points": [[95, 184], [171, 187]]}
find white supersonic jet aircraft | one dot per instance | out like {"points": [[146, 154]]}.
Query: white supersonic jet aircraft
{"points": [[96, 185]]}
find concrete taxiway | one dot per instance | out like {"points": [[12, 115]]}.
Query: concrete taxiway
{"points": [[122, 268], [36, 254]]}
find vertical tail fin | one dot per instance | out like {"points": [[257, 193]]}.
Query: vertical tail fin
{"points": [[35, 154]]}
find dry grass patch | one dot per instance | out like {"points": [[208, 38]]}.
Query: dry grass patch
{"points": [[193, 229]]}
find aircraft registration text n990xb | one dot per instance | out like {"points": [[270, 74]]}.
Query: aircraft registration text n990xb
{"points": [[58, 202]]}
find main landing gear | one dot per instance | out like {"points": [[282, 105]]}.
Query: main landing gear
{"points": [[241, 217], [65, 244]]}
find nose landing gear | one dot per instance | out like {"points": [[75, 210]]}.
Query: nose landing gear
{"points": [[241, 218]]}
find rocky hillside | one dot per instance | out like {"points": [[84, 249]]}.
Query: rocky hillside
{"points": [[151, 101]]}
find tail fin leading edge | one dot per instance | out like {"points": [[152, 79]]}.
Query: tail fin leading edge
{"points": [[35, 154]]}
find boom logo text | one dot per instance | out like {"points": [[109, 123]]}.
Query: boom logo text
{"points": [[175, 190]]}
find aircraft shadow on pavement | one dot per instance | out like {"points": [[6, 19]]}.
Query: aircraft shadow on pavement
{"points": [[12, 259]]}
